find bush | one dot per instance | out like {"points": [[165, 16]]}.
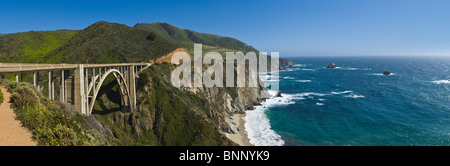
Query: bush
{"points": [[52, 123], [4, 82], [25, 97], [1, 98], [14, 86]]}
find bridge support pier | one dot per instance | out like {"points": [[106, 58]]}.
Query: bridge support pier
{"points": [[79, 97], [50, 85], [62, 87], [34, 79], [131, 83]]}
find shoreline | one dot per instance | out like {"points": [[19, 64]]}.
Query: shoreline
{"points": [[241, 137]]}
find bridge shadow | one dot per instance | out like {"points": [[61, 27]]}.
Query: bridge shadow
{"points": [[113, 99]]}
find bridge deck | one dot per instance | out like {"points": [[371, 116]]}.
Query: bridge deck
{"points": [[9, 68]]}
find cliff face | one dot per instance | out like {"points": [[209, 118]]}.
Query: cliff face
{"points": [[167, 115], [212, 106]]}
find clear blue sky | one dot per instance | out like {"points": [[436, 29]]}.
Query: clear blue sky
{"points": [[294, 28]]}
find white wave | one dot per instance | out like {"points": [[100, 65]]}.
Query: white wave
{"points": [[288, 77], [381, 74], [350, 68], [302, 80], [441, 82], [258, 129], [320, 104], [300, 65], [307, 69], [354, 96], [309, 94], [343, 92], [285, 99], [321, 99], [257, 125]]}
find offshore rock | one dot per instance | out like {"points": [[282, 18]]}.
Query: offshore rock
{"points": [[331, 66]]}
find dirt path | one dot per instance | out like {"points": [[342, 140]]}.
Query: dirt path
{"points": [[11, 131]]}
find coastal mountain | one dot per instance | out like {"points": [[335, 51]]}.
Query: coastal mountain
{"points": [[166, 115]]}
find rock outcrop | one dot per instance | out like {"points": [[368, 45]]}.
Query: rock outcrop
{"points": [[168, 58], [278, 94], [284, 62], [331, 66]]}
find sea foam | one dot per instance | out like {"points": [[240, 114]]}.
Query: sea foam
{"points": [[302, 80], [257, 124], [441, 82], [381, 74], [343, 92], [355, 96]]}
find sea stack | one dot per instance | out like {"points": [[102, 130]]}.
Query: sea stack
{"points": [[386, 73], [278, 94], [331, 66]]}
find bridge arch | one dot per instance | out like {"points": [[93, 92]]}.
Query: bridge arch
{"points": [[95, 85]]}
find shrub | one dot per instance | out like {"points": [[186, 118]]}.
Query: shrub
{"points": [[14, 86], [4, 82], [1, 98], [52, 123], [24, 97]]}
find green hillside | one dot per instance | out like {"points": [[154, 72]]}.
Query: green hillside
{"points": [[31, 47], [187, 38], [105, 42]]}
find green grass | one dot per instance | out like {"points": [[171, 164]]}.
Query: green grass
{"points": [[187, 38], [31, 47], [105, 42]]}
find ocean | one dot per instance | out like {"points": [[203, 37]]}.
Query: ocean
{"points": [[355, 105]]}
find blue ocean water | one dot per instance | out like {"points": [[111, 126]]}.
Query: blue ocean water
{"points": [[356, 105]]}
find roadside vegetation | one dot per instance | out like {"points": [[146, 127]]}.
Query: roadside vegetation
{"points": [[52, 123], [1, 98]]}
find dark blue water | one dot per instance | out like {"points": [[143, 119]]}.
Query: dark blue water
{"points": [[356, 105]]}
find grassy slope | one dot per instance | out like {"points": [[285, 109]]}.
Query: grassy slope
{"points": [[105, 42], [211, 42], [31, 47], [187, 38]]}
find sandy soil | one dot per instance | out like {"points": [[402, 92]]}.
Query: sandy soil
{"points": [[11, 131], [241, 137]]}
